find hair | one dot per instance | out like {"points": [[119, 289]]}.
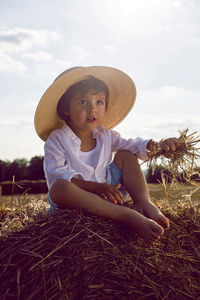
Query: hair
{"points": [[80, 88]]}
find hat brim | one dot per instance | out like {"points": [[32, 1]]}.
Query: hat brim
{"points": [[122, 95]]}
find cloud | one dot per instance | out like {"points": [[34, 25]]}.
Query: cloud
{"points": [[165, 92], [40, 56], [162, 112], [16, 122], [7, 63], [22, 142], [65, 63], [13, 40], [16, 40], [80, 52], [110, 48], [157, 126], [181, 3]]}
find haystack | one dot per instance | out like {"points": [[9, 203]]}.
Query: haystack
{"points": [[72, 255]]}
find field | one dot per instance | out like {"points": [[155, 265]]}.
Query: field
{"points": [[178, 193], [73, 255]]}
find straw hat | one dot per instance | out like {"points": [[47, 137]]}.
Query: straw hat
{"points": [[122, 94]]}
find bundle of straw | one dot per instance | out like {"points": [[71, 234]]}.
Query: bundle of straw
{"points": [[185, 159]]}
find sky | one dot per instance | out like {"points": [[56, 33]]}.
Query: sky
{"points": [[157, 43]]}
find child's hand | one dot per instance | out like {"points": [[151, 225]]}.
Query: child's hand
{"points": [[166, 145], [152, 146], [109, 191], [169, 144]]}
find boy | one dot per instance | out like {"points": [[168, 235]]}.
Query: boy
{"points": [[74, 117]]}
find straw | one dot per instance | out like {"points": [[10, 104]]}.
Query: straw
{"points": [[72, 255]]}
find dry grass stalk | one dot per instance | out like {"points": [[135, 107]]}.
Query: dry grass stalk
{"points": [[25, 211], [13, 187], [185, 159]]}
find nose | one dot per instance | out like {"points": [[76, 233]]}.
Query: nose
{"points": [[91, 106]]}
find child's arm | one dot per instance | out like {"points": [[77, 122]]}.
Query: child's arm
{"points": [[136, 146], [141, 147], [55, 163], [104, 190]]}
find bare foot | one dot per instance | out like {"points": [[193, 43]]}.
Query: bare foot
{"points": [[151, 211], [146, 228]]}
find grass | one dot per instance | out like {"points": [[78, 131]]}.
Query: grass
{"points": [[156, 192], [178, 193], [17, 199]]}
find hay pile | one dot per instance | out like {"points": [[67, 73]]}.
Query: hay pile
{"points": [[76, 256]]}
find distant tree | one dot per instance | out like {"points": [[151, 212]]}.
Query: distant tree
{"points": [[186, 177], [155, 177], [35, 169], [3, 169], [17, 168]]}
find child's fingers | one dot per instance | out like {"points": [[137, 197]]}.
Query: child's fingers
{"points": [[119, 198], [115, 196], [112, 193], [111, 197], [103, 196], [169, 144], [166, 146], [119, 193], [173, 143]]}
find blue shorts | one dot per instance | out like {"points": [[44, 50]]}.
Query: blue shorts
{"points": [[116, 178]]}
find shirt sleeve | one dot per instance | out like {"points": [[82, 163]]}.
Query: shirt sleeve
{"points": [[55, 163], [137, 146]]}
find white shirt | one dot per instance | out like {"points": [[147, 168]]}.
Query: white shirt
{"points": [[91, 157], [62, 157]]}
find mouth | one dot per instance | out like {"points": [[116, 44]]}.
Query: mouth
{"points": [[91, 119]]}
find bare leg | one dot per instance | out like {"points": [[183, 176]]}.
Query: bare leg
{"points": [[68, 195], [135, 183]]}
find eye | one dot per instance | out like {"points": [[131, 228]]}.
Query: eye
{"points": [[100, 102], [83, 101]]}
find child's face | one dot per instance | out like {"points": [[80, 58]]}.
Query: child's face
{"points": [[86, 113]]}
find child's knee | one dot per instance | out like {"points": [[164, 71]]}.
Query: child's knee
{"points": [[124, 156], [59, 188]]}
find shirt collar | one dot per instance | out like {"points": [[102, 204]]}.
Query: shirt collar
{"points": [[96, 132], [71, 134]]}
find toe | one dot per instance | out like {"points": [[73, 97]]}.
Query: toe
{"points": [[163, 221], [158, 230]]}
